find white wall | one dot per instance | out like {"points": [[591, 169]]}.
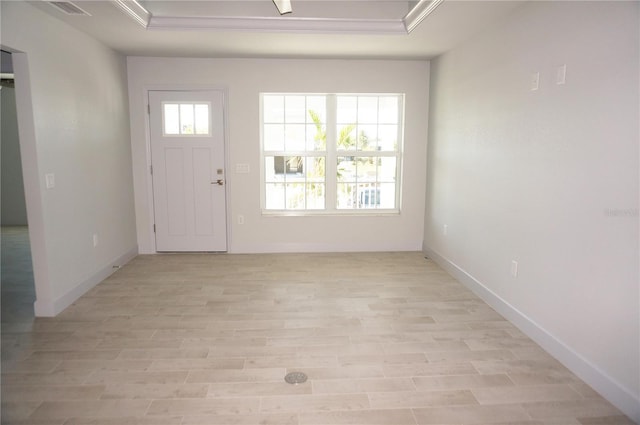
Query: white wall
{"points": [[548, 178], [245, 79], [14, 208], [73, 118]]}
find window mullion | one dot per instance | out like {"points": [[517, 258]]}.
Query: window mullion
{"points": [[331, 162], [399, 151], [398, 181]]}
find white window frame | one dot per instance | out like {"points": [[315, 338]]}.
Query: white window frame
{"points": [[332, 153]]}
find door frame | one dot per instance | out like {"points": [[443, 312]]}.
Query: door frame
{"points": [[147, 129]]}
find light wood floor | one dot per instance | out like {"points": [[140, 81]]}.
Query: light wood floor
{"points": [[386, 339]]}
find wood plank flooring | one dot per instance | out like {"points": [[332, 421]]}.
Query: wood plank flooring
{"points": [[385, 339]]}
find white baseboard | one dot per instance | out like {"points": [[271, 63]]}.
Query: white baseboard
{"points": [[323, 247], [50, 308], [43, 308], [608, 387]]}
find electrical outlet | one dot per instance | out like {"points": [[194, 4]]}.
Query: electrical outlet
{"points": [[445, 229], [514, 268], [95, 240], [240, 219], [561, 75], [50, 180], [535, 81]]}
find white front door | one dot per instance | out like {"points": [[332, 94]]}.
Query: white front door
{"points": [[188, 166]]}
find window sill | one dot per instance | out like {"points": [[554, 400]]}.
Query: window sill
{"points": [[334, 213]]}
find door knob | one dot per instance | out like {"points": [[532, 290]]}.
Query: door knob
{"points": [[219, 182]]}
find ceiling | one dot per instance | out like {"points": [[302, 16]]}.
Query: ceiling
{"points": [[177, 28]]}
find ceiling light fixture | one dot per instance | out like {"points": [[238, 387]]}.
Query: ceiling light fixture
{"points": [[284, 6], [419, 12]]}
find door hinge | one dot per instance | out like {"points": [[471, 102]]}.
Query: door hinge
{"points": [[151, 169], [154, 228], [149, 109]]}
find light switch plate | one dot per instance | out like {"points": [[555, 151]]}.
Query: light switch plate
{"points": [[242, 168]]}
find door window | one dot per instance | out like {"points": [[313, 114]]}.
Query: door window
{"points": [[186, 119]]}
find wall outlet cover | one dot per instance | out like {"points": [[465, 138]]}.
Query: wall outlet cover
{"points": [[535, 81], [50, 180], [561, 75]]}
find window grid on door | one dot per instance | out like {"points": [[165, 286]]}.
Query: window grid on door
{"points": [[186, 119]]}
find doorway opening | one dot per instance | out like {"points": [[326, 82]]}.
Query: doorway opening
{"points": [[17, 281]]}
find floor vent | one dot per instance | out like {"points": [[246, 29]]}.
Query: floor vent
{"points": [[68, 8], [295, 378]]}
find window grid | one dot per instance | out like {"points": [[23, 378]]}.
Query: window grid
{"points": [[186, 119], [295, 176], [379, 191], [294, 151]]}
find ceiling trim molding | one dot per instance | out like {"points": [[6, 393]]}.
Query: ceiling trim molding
{"points": [[419, 12], [291, 24], [279, 24], [134, 10]]}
